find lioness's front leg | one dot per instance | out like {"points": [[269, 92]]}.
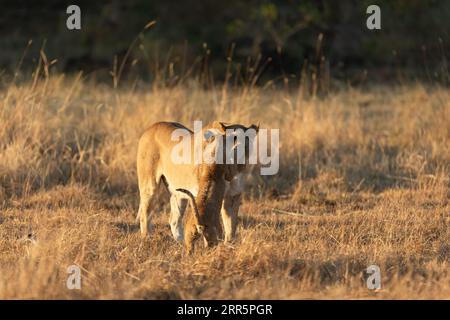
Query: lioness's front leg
{"points": [[229, 212]]}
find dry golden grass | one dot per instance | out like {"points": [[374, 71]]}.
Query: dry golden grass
{"points": [[364, 179]]}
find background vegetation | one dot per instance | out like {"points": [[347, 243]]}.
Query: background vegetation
{"points": [[292, 35]]}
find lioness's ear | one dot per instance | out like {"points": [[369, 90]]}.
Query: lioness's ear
{"points": [[255, 127], [219, 125], [210, 133]]}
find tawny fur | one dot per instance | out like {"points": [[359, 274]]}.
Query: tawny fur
{"points": [[216, 188]]}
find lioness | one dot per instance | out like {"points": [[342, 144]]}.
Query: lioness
{"points": [[211, 187]]}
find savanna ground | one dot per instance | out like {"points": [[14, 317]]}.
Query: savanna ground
{"points": [[364, 179]]}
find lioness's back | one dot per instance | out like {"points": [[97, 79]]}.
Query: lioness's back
{"points": [[160, 132], [154, 155]]}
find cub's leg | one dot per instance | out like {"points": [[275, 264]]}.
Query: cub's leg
{"points": [[190, 233], [229, 212], [177, 208]]}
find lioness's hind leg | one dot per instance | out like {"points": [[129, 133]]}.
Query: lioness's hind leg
{"points": [[146, 195], [177, 208]]}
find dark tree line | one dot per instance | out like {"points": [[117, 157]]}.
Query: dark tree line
{"points": [[282, 33]]}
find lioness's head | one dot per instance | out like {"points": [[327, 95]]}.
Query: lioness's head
{"points": [[238, 145]]}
